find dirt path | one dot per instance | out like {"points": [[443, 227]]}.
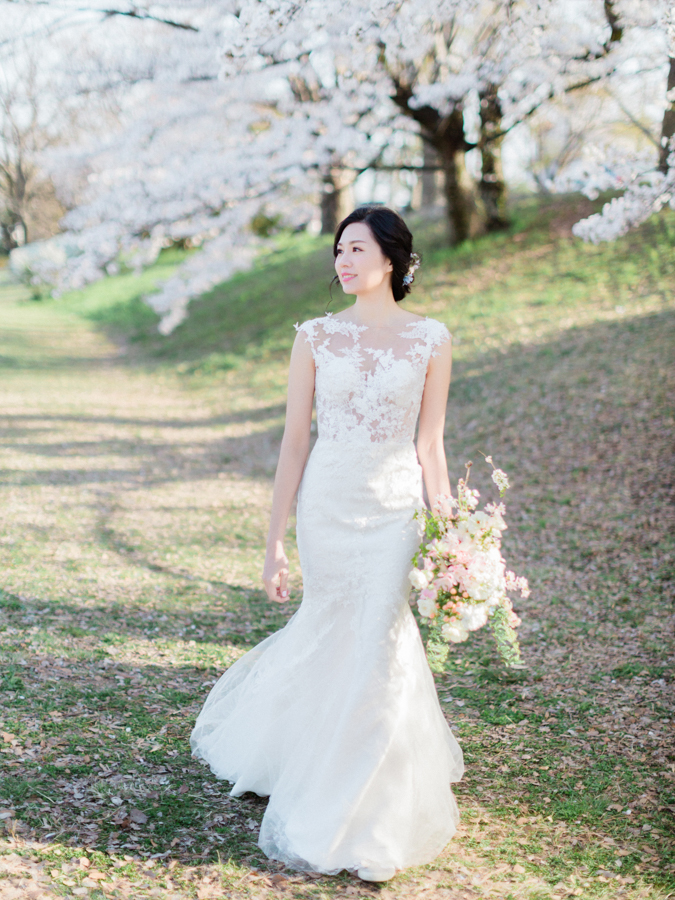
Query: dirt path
{"points": [[132, 525]]}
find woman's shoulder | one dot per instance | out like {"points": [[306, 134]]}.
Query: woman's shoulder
{"points": [[326, 324], [310, 327], [430, 330]]}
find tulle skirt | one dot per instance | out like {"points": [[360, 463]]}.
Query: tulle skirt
{"points": [[336, 717]]}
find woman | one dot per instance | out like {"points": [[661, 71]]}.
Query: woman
{"points": [[335, 717]]}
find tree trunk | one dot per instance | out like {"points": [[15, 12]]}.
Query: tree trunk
{"points": [[14, 188], [330, 202], [336, 198], [7, 242], [458, 203], [429, 185], [668, 125], [450, 143], [492, 189], [10, 222], [445, 134]]}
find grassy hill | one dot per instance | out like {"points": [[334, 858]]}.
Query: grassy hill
{"points": [[495, 290]]}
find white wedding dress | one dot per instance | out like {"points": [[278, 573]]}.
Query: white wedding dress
{"points": [[336, 716]]}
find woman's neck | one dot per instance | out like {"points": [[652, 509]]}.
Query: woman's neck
{"points": [[375, 310]]}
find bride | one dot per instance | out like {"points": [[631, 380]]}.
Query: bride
{"points": [[336, 717]]}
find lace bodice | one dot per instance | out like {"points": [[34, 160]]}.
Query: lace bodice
{"points": [[369, 381]]}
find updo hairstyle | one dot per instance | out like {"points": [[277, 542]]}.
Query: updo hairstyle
{"points": [[394, 238]]}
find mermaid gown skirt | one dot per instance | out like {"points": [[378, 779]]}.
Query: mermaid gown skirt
{"points": [[336, 717]]}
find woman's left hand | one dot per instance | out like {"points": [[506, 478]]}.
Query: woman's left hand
{"points": [[275, 574]]}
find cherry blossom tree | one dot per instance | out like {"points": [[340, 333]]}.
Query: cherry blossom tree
{"points": [[646, 176], [241, 110], [433, 60]]}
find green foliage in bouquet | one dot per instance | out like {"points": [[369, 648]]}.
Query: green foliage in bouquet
{"points": [[438, 649], [506, 638]]}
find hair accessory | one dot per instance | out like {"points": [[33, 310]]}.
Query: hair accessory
{"points": [[414, 265]]}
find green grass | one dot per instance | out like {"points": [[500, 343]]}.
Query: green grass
{"points": [[136, 478]]}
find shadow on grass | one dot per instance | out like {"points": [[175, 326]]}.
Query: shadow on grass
{"points": [[564, 367]]}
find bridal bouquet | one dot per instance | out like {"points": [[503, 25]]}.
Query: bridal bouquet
{"points": [[460, 577]]}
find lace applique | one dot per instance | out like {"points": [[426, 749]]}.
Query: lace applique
{"points": [[370, 381]]}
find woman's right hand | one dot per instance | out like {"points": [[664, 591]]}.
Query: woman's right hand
{"points": [[275, 573]]}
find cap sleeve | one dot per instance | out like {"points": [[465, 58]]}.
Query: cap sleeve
{"points": [[309, 331], [437, 335]]}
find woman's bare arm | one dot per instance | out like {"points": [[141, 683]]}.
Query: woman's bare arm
{"points": [[292, 459], [430, 450]]}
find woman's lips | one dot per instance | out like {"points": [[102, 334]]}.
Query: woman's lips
{"points": [[346, 276]]}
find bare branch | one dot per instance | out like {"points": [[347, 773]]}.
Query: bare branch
{"points": [[629, 115], [386, 168]]}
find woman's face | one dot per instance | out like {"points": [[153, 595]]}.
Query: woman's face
{"points": [[360, 263]]}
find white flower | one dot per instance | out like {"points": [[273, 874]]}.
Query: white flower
{"points": [[427, 607], [474, 615], [463, 531], [445, 505], [419, 578], [501, 479], [497, 520], [485, 575], [476, 522], [454, 632]]}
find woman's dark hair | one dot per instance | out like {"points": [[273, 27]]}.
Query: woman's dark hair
{"points": [[394, 238]]}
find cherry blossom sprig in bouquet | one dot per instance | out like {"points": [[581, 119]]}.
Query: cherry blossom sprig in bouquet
{"points": [[460, 577]]}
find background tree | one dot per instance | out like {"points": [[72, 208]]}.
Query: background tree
{"points": [[644, 174], [29, 209]]}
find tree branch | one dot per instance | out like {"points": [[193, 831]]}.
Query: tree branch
{"points": [[110, 13], [629, 115], [549, 96], [616, 33], [386, 168]]}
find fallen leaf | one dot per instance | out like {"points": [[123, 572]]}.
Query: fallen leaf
{"points": [[121, 817], [137, 815]]}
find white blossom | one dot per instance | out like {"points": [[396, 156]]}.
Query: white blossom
{"points": [[454, 631], [427, 606], [419, 578]]}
